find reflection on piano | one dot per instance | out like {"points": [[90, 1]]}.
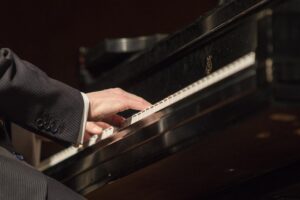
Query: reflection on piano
{"points": [[227, 117]]}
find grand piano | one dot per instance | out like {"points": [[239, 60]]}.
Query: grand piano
{"points": [[225, 120]]}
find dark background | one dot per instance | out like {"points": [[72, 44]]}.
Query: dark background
{"points": [[49, 33]]}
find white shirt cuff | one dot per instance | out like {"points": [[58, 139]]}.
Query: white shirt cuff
{"points": [[83, 120]]}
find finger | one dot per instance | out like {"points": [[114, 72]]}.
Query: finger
{"points": [[115, 120], [93, 128], [137, 98], [118, 105], [109, 102], [131, 96], [103, 124], [87, 136], [140, 99], [134, 105]]}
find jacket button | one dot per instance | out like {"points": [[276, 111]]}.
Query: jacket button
{"points": [[47, 125], [47, 128], [53, 128], [40, 123]]}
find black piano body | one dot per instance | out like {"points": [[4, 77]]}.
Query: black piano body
{"points": [[236, 139]]}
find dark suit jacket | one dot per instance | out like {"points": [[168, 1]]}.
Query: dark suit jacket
{"points": [[45, 106]]}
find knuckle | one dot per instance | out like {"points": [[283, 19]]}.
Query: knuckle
{"points": [[123, 105], [88, 126], [111, 90], [118, 90], [140, 99]]}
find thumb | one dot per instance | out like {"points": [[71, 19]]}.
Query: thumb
{"points": [[93, 128]]}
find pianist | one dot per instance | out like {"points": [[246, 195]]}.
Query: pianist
{"points": [[45, 106]]}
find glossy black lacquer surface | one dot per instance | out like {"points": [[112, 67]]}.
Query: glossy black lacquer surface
{"points": [[220, 143]]}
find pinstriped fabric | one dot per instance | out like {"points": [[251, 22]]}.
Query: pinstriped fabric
{"points": [[20, 182], [36, 102], [57, 191], [45, 106]]}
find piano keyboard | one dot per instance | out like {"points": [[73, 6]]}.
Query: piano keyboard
{"points": [[238, 65]]}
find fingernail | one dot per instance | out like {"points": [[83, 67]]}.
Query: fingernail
{"points": [[97, 129]]}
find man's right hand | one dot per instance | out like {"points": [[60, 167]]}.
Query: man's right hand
{"points": [[104, 106]]}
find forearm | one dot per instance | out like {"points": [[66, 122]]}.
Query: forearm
{"points": [[33, 100]]}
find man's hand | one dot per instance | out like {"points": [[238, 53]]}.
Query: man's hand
{"points": [[104, 106]]}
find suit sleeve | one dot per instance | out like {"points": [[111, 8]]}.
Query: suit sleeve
{"points": [[31, 99]]}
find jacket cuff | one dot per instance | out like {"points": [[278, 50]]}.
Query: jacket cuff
{"points": [[83, 120]]}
